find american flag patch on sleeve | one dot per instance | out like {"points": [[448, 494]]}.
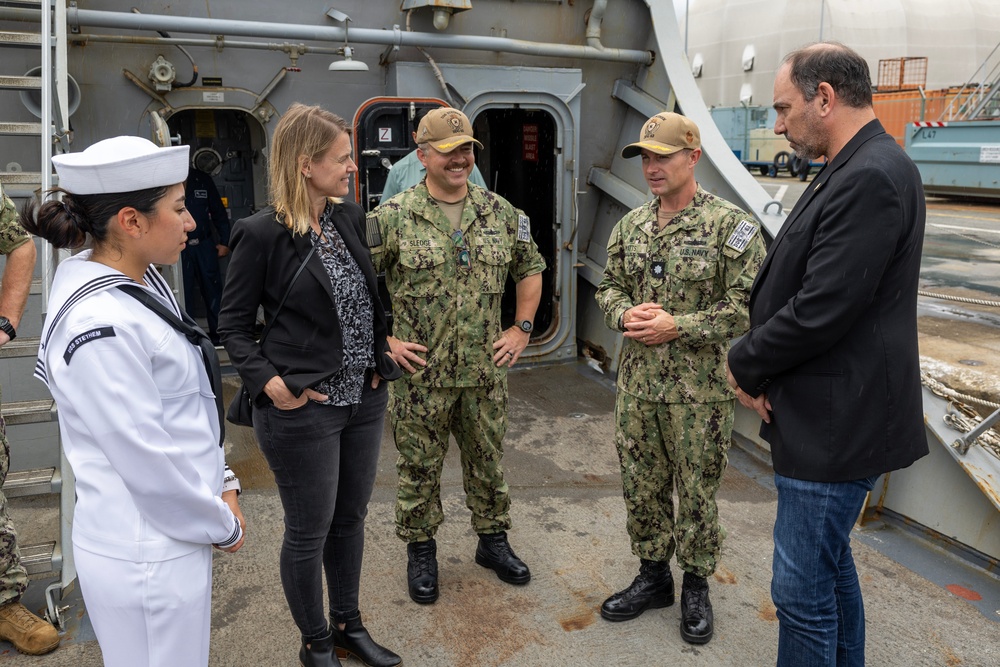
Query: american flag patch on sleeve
{"points": [[523, 228], [742, 235], [372, 232]]}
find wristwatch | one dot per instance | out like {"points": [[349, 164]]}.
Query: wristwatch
{"points": [[524, 325], [8, 328], [232, 483]]}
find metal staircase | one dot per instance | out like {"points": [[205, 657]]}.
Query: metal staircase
{"points": [[38, 467], [979, 97]]}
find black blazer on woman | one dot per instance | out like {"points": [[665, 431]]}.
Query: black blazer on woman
{"points": [[304, 346], [833, 320]]}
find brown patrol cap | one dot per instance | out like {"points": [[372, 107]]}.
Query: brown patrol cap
{"points": [[445, 129], [665, 134]]}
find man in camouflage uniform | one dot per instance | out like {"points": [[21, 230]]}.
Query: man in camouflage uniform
{"points": [[676, 283], [446, 247], [28, 633]]}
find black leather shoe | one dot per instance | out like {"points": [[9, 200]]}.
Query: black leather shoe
{"points": [[697, 622], [652, 589], [422, 571], [318, 652], [495, 553], [355, 641]]}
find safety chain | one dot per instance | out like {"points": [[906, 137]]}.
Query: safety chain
{"points": [[962, 299], [964, 422], [963, 418]]}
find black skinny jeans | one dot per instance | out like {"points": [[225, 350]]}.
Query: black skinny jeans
{"points": [[324, 460]]}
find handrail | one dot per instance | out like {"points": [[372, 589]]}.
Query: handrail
{"points": [[958, 108]]}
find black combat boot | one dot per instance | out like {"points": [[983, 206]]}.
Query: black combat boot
{"points": [[652, 589], [495, 553], [422, 571], [318, 652], [354, 640], [697, 623]]}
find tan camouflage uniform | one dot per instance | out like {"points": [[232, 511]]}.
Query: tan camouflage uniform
{"points": [[674, 411], [455, 312], [13, 578]]}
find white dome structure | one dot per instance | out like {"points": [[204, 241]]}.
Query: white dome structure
{"points": [[955, 37]]}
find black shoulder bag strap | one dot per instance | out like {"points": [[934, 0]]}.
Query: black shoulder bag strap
{"points": [[288, 290], [195, 335]]}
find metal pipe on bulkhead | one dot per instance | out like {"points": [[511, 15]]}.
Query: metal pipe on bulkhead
{"points": [[300, 48], [80, 18], [594, 24]]}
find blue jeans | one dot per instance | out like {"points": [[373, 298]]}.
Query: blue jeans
{"points": [[324, 459], [815, 585]]}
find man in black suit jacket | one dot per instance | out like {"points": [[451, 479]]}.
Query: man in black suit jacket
{"points": [[830, 362]]}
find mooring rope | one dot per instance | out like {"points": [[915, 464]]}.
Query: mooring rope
{"points": [[961, 299], [964, 418]]}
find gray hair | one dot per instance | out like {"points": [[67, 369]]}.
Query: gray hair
{"points": [[838, 65]]}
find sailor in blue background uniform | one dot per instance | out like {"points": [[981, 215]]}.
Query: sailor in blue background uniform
{"points": [[200, 259]]}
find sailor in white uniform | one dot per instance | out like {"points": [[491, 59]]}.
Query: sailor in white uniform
{"points": [[137, 410]]}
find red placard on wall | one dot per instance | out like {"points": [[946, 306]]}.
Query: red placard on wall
{"points": [[529, 149]]}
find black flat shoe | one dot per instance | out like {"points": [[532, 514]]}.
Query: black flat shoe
{"points": [[422, 571], [355, 641], [494, 552]]}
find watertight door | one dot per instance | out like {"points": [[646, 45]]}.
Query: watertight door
{"points": [[528, 121]]}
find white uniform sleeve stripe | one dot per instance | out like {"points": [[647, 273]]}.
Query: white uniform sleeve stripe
{"points": [[234, 537]]}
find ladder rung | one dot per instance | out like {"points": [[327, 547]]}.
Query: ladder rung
{"points": [[12, 129], [38, 558], [21, 39], [29, 412], [36, 288], [20, 82], [20, 178], [31, 482], [17, 348], [25, 191]]}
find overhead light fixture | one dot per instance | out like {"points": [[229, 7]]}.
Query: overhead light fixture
{"points": [[441, 18], [443, 9], [348, 64]]}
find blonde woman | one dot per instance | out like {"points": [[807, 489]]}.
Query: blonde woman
{"points": [[316, 381]]}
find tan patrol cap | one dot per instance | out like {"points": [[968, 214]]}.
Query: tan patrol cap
{"points": [[665, 134], [445, 129]]}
